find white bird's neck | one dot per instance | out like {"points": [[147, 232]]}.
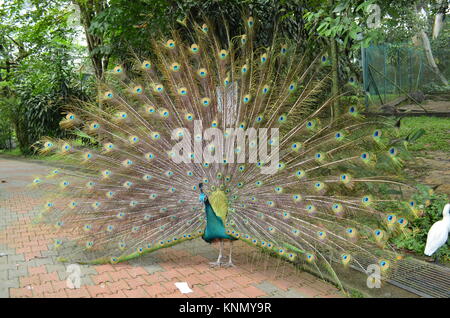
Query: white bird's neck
{"points": [[446, 215], [446, 211]]}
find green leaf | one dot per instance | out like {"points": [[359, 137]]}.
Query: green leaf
{"points": [[341, 7]]}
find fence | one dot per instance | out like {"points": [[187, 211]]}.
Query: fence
{"points": [[390, 71]]}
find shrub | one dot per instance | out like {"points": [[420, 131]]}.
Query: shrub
{"points": [[415, 239]]}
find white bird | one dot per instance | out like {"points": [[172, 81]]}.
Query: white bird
{"points": [[438, 233]]}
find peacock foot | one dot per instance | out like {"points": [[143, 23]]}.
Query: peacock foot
{"points": [[229, 264], [215, 264]]}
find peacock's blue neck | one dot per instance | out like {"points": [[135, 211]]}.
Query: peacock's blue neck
{"points": [[209, 211]]}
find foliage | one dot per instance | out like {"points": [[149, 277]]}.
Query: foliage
{"points": [[345, 21], [435, 88], [416, 237], [284, 17], [126, 25], [38, 70], [39, 55], [6, 127]]}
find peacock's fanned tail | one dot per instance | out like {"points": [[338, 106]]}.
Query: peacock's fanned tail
{"points": [[318, 192]]}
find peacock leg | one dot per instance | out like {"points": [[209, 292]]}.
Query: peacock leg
{"points": [[218, 263], [230, 263], [436, 260]]}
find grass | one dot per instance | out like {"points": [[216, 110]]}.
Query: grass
{"points": [[14, 152], [356, 294], [437, 133], [18, 154]]}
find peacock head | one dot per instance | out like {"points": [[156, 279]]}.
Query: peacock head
{"points": [[446, 211], [202, 197]]}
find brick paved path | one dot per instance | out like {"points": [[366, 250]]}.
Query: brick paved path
{"points": [[28, 266]]}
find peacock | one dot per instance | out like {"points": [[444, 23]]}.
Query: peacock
{"points": [[226, 140]]}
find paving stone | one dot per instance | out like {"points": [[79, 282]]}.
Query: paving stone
{"points": [[293, 294], [44, 261], [88, 270], [4, 292], [86, 280], [278, 294], [151, 275], [14, 283], [49, 253], [3, 275], [15, 258], [55, 268], [63, 275], [5, 267], [267, 287], [18, 272], [153, 268]]}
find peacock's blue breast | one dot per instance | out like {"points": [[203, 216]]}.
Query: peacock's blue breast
{"points": [[214, 226]]}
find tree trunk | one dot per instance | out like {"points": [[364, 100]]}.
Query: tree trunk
{"points": [[430, 58], [334, 56], [438, 24], [88, 11], [334, 74], [428, 52], [439, 20]]}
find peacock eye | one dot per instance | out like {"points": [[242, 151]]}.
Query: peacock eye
{"points": [[223, 54], [392, 151], [175, 67], [170, 43]]}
